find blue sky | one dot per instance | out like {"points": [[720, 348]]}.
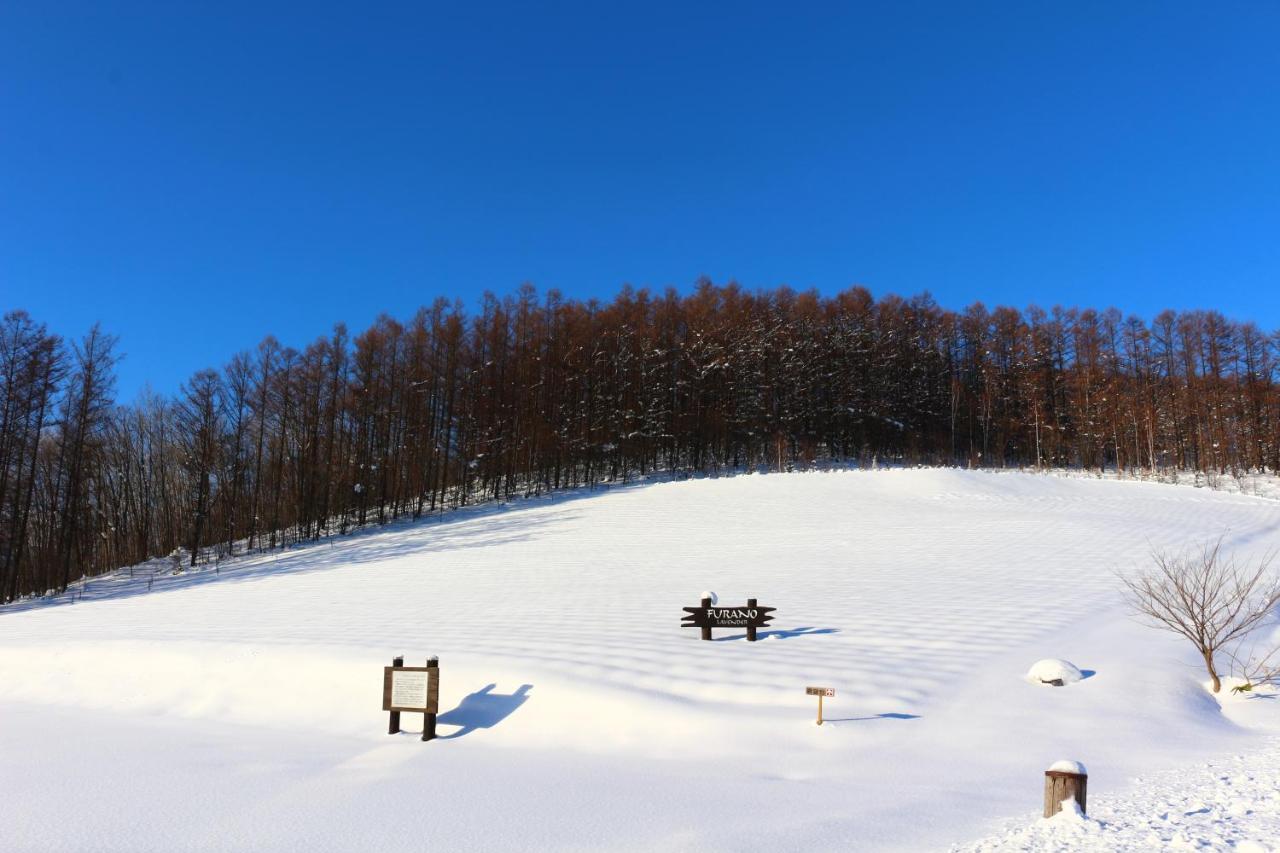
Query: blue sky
{"points": [[196, 176]]}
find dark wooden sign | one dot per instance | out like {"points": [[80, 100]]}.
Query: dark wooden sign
{"points": [[412, 688], [706, 616]]}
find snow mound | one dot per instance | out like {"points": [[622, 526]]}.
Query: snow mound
{"points": [[715, 599], [1050, 670], [1068, 767]]}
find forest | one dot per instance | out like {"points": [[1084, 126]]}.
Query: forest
{"points": [[532, 393]]}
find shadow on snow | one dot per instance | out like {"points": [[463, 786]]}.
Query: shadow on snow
{"points": [[780, 634], [483, 709], [478, 526]]}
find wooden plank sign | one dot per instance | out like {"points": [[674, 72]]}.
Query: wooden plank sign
{"points": [[707, 616], [411, 688], [741, 616]]}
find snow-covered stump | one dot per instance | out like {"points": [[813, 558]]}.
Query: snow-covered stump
{"points": [[1065, 780]]}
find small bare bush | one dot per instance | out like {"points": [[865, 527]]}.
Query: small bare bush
{"points": [[1206, 596], [1256, 664]]}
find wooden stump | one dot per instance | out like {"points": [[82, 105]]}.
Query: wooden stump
{"points": [[1060, 786]]}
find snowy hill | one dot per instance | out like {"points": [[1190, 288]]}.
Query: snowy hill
{"points": [[242, 711]]}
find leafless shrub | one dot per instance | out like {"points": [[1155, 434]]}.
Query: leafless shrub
{"points": [[1257, 665], [1206, 596]]}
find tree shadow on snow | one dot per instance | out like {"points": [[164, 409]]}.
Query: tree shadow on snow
{"points": [[781, 634], [483, 709], [462, 529], [890, 716]]}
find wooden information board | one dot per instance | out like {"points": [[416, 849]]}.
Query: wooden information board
{"points": [[411, 688]]}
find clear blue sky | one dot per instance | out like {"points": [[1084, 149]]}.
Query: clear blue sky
{"points": [[196, 176]]}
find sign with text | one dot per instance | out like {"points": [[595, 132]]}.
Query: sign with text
{"points": [[411, 688], [820, 691], [744, 616]]}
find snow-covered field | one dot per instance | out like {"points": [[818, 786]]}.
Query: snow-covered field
{"points": [[243, 711]]}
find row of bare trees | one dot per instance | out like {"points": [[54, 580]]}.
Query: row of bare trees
{"points": [[532, 394]]}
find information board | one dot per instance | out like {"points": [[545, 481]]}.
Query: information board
{"points": [[411, 688]]}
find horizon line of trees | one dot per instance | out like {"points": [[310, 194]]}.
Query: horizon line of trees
{"points": [[534, 394]]}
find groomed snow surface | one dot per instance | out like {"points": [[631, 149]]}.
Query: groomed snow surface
{"points": [[242, 711]]}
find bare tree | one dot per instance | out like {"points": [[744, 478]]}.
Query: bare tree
{"points": [[1206, 596], [529, 396]]}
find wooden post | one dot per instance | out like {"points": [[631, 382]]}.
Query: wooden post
{"points": [[393, 723], [819, 709], [751, 629], [1063, 785], [706, 631], [429, 719]]}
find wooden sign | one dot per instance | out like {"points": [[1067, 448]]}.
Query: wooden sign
{"points": [[820, 692], [706, 616], [411, 688]]}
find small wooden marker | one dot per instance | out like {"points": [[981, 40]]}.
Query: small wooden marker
{"points": [[1065, 780], [820, 692]]}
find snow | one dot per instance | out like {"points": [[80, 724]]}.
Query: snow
{"points": [[241, 710], [1054, 669], [1068, 767], [1231, 803]]}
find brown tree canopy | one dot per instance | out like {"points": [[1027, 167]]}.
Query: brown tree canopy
{"points": [[534, 394]]}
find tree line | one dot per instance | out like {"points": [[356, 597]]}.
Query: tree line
{"points": [[532, 393]]}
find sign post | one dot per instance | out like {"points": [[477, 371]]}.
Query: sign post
{"points": [[412, 688], [707, 616], [820, 692], [393, 719]]}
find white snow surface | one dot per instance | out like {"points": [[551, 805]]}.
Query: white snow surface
{"points": [[1231, 803], [242, 711]]}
